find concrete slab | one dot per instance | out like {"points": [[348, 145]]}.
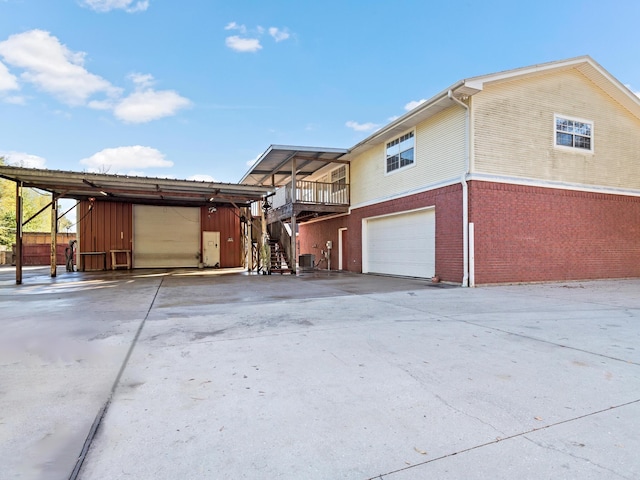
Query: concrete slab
{"points": [[320, 376]]}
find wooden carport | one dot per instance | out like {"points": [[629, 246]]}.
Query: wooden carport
{"points": [[97, 187]]}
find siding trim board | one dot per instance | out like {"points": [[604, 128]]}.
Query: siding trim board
{"points": [[479, 177]]}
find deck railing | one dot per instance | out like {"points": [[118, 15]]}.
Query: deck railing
{"points": [[313, 193]]}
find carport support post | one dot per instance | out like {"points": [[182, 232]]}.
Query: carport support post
{"points": [[18, 233], [294, 197], [54, 233]]}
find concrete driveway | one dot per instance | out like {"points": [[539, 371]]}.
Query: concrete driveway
{"points": [[323, 376]]}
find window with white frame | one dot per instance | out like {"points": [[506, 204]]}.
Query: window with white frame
{"points": [[574, 133], [339, 179], [400, 152]]}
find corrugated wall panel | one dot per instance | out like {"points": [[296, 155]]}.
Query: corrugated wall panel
{"points": [[514, 132], [439, 153], [104, 226], [225, 220]]}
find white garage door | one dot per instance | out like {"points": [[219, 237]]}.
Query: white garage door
{"points": [[165, 236], [402, 244]]}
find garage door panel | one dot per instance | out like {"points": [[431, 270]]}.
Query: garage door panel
{"points": [[402, 244], [166, 236]]}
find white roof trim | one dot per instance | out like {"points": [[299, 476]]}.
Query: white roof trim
{"points": [[473, 85]]}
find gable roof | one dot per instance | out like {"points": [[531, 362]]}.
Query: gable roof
{"points": [[471, 86]]}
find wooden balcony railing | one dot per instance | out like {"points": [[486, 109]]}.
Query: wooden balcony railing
{"points": [[313, 193]]}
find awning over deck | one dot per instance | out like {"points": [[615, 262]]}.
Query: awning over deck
{"points": [[275, 166]]}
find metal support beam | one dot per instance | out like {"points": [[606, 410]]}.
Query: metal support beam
{"points": [[36, 214], [54, 234], [18, 233], [294, 253]]}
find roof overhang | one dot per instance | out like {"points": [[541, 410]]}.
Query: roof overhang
{"points": [[275, 166], [139, 190], [469, 87]]}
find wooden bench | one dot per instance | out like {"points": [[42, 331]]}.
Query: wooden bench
{"points": [[84, 255]]}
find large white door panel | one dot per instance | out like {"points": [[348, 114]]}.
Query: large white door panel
{"points": [[165, 236], [400, 244]]}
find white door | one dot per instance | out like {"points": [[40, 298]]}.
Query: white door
{"points": [[211, 249], [400, 244], [165, 236]]}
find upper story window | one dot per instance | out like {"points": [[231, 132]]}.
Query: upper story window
{"points": [[400, 152], [339, 179], [574, 133]]}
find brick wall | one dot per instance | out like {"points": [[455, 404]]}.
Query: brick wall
{"points": [[529, 234], [448, 203], [313, 238]]}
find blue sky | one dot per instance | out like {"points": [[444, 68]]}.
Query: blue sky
{"points": [[200, 88]]}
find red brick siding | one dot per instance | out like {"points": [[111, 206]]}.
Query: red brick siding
{"points": [[529, 234], [448, 204], [313, 238]]}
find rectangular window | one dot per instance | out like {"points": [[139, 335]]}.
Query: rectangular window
{"points": [[574, 133], [400, 152], [339, 179]]}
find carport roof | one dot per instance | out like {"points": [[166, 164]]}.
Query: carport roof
{"points": [[275, 165], [141, 190]]}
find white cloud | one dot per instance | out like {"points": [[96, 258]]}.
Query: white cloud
{"points": [[21, 159], [130, 6], [361, 127], [142, 80], [52, 67], [202, 178], [249, 40], [7, 80], [393, 118], [234, 26], [239, 44], [145, 106], [14, 100], [101, 104], [413, 104], [114, 160], [278, 35]]}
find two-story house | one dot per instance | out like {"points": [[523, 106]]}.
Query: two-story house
{"points": [[526, 175]]}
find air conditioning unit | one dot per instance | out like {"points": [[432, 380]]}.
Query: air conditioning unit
{"points": [[306, 261]]}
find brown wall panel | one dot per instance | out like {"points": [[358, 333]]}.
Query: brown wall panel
{"points": [[104, 226], [225, 220]]}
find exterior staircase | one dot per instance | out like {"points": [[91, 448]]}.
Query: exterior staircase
{"points": [[279, 244], [280, 262]]}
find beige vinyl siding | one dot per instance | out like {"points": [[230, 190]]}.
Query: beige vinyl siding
{"points": [[439, 156], [514, 132]]}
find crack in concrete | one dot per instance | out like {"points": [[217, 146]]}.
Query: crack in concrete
{"points": [[510, 437], [468, 415], [549, 342], [577, 457], [103, 410]]}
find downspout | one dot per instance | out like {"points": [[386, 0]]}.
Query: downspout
{"points": [[465, 192]]}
